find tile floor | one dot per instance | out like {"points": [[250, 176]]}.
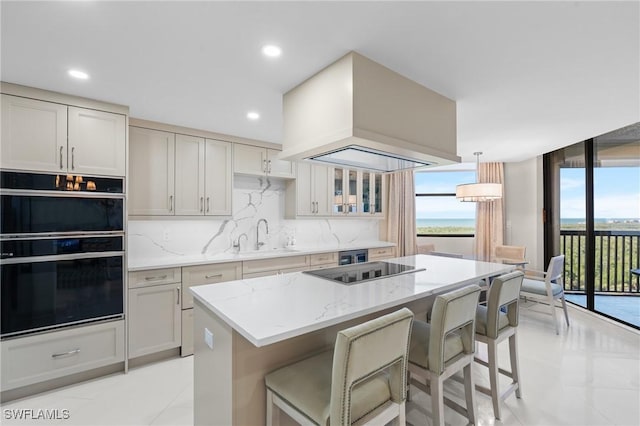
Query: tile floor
{"points": [[588, 375]]}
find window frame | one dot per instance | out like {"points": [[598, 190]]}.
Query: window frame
{"points": [[441, 194]]}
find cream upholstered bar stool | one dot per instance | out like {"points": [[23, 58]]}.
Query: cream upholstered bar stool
{"points": [[423, 248], [493, 326], [547, 287], [445, 346], [363, 380]]}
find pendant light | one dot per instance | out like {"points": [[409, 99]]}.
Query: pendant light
{"points": [[478, 192]]}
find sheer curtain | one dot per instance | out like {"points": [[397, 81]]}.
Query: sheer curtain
{"points": [[401, 212], [489, 215]]}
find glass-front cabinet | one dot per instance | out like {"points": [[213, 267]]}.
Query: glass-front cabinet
{"points": [[357, 193], [372, 193], [346, 187]]}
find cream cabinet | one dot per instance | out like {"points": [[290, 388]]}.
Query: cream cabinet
{"points": [[51, 137], [155, 317], [381, 253], [347, 187], [200, 275], [258, 161], [309, 194], [42, 357], [151, 182], [176, 174], [272, 266], [372, 193]]}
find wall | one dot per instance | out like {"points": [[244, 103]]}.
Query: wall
{"points": [[253, 198], [524, 206]]}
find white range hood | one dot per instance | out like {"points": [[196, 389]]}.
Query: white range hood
{"points": [[358, 113]]}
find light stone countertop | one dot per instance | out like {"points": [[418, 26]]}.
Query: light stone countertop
{"points": [[254, 307], [140, 263]]}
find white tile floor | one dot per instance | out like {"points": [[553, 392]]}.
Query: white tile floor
{"points": [[588, 375]]}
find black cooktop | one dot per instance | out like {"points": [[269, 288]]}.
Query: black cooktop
{"points": [[360, 272]]}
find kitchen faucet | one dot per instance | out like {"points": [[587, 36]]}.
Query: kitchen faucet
{"points": [[258, 243], [236, 245]]}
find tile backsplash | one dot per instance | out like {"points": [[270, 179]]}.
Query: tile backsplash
{"points": [[253, 199]]}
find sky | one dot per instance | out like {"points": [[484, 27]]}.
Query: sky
{"points": [[443, 207], [616, 192]]}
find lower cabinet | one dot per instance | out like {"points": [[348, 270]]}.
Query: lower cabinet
{"points": [[47, 356], [154, 319], [200, 275], [382, 253]]}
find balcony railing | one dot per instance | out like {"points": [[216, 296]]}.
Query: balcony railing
{"points": [[616, 254]]}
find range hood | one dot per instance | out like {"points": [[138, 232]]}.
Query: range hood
{"points": [[358, 113]]}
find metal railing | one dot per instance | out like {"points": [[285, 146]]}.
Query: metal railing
{"points": [[616, 254]]}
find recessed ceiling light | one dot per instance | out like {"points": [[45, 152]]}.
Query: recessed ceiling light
{"points": [[78, 74], [271, 51], [252, 115]]}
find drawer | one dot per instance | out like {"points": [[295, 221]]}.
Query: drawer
{"points": [[274, 264], [187, 333], [47, 356], [323, 259], [154, 277], [207, 274], [381, 253]]}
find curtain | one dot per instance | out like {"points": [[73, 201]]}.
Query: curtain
{"points": [[401, 212], [489, 215]]}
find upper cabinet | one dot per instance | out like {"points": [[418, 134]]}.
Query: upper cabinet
{"points": [[372, 190], [309, 194], [151, 185], [258, 161], [52, 137], [347, 186], [176, 174]]}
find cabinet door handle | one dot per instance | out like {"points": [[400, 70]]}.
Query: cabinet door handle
{"points": [[73, 158], [60, 355], [208, 277], [208, 204], [162, 277], [178, 292], [264, 166], [269, 166], [201, 204], [317, 210], [170, 203], [61, 158]]}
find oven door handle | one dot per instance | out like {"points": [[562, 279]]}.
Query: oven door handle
{"points": [[58, 257]]}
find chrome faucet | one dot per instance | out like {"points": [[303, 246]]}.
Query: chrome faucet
{"points": [[236, 245], [258, 242]]}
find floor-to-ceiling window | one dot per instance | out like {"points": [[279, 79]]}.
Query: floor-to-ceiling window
{"points": [[592, 200]]}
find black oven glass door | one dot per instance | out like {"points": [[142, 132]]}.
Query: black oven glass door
{"points": [[36, 214], [43, 295]]}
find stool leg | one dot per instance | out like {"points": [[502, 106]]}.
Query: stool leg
{"points": [[515, 370], [492, 347], [437, 400], [470, 393]]}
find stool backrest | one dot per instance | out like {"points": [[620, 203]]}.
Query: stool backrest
{"points": [[512, 253], [365, 350], [555, 270], [505, 291], [452, 312]]}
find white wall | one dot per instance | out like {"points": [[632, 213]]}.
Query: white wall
{"points": [[524, 207]]}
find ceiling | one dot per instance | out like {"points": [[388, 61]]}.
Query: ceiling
{"points": [[528, 77]]}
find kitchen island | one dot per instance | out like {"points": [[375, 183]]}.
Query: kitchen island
{"points": [[247, 328]]}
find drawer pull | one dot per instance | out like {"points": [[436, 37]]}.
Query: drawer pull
{"points": [[207, 277], [178, 291], [73, 352], [162, 277]]}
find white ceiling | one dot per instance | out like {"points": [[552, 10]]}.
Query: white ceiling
{"points": [[528, 77]]}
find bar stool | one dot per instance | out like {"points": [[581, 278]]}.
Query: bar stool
{"points": [[494, 326], [362, 380], [444, 347]]}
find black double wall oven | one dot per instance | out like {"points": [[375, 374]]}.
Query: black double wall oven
{"points": [[62, 245]]}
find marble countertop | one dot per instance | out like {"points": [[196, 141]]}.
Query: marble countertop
{"points": [[254, 307], [140, 263]]}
